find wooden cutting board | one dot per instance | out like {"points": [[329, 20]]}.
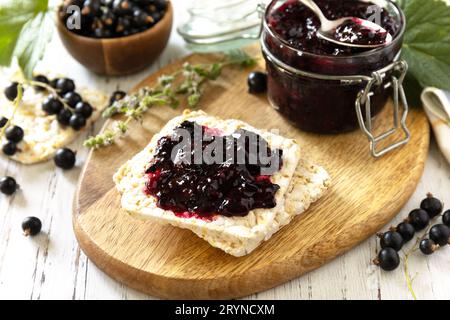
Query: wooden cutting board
{"points": [[168, 262]]}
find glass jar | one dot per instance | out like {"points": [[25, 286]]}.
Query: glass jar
{"points": [[318, 92], [214, 26]]}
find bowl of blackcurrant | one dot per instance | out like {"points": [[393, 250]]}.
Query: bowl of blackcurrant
{"points": [[115, 37]]}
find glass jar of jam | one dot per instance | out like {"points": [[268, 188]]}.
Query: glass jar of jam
{"points": [[319, 85]]}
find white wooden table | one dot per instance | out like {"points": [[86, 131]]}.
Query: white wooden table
{"points": [[52, 266]]}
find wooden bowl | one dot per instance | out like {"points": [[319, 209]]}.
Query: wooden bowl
{"points": [[118, 56]]}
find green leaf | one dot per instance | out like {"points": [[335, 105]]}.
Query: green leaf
{"points": [[184, 87], [154, 101], [193, 100], [122, 126], [214, 71], [240, 57], [413, 90], [110, 111], [427, 41], [211, 72], [165, 80], [174, 103], [32, 41], [14, 14]]}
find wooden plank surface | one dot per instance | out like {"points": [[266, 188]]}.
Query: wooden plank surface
{"points": [[51, 266], [173, 263]]}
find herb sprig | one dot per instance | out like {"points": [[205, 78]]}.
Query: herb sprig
{"points": [[186, 82]]}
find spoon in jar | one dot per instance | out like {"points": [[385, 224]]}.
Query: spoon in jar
{"points": [[349, 31]]}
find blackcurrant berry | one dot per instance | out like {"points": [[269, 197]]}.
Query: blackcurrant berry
{"points": [[108, 3], [116, 96], [65, 158], [109, 18], [161, 5], [31, 226], [54, 83], [14, 134], [97, 23], [91, 8], [156, 16], [142, 29], [78, 3], [11, 91], [141, 18], [72, 99], [123, 23], [121, 7], [440, 234], [406, 230], [432, 205], [99, 33], [151, 8], [9, 148], [107, 33], [65, 85], [51, 105], [8, 186], [64, 117], [3, 122], [42, 79], [446, 218], [114, 18], [257, 82], [132, 31], [77, 121], [84, 108], [144, 3], [388, 259], [419, 219], [427, 246], [391, 239]]}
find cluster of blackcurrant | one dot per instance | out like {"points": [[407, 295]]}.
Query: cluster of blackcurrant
{"points": [[114, 18], [393, 240], [13, 134], [68, 106], [64, 158]]}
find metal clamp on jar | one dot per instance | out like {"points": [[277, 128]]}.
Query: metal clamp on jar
{"points": [[363, 98], [330, 93]]}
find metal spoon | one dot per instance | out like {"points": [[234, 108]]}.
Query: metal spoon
{"points": [[328, 27]]}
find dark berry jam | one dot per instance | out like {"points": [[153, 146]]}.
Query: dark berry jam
{"points": [[298, 25], [293, 51], [203, 189], [354, 32]]}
